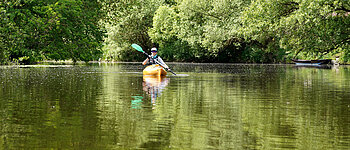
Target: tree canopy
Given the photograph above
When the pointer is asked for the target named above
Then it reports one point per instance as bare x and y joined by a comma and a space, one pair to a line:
307, 26
238, 30
184, 30
33, 30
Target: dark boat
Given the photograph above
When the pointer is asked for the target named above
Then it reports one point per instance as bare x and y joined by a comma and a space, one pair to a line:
312, 62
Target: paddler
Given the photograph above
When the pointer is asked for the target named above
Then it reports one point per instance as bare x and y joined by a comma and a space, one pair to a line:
153, 58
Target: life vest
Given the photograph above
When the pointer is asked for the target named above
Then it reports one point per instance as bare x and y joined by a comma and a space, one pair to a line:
151, 60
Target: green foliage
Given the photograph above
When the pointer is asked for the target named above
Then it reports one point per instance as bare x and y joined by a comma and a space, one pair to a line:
165, 32
128, 22
310, 26
185, 30
253, 54
3, 42
256, 54
177, 50
164, 25
266, 30
208, 27
54, 29
346, 55
205, 29
212, 24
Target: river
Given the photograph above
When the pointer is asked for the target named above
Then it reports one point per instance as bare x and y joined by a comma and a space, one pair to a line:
206, 106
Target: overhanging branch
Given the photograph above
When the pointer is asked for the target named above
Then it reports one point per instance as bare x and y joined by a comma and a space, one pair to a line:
347, 40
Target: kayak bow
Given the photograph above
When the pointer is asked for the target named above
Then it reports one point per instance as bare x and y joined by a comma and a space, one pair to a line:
154, 70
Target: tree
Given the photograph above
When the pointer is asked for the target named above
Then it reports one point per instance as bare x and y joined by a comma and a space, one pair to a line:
127, 22
229, 30
52, 29
207, 26
308, 26
4, 32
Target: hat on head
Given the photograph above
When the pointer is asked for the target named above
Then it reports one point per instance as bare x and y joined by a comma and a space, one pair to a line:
153, 49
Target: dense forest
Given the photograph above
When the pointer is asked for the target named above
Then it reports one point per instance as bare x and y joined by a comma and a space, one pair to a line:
256, 31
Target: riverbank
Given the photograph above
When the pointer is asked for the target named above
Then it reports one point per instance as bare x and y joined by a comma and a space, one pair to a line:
70, 62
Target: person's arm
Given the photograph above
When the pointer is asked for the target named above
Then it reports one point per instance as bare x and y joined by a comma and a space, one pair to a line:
145, 61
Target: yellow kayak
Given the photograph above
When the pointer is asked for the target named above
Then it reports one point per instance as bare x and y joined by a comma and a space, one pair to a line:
154, 70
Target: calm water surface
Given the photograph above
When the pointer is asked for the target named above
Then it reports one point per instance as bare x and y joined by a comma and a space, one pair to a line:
207, 106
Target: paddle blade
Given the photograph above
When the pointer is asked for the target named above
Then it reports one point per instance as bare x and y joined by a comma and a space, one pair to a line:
137, 47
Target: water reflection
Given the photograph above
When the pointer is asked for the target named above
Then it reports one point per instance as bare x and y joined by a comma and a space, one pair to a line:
47, 107
154, 85
218, 106
314, 66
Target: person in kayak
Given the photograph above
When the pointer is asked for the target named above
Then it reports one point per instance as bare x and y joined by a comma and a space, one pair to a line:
153, 58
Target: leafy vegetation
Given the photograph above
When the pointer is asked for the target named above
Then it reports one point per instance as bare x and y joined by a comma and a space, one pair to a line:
311, 27
184, 30
240, 31
34, 30
127, 22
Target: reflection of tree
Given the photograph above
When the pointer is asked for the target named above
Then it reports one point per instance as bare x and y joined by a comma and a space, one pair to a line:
154, 85
266, 107
255, 108
301, 108
49, 108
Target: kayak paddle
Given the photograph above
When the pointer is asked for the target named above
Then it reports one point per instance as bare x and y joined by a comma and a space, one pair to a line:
139, 48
